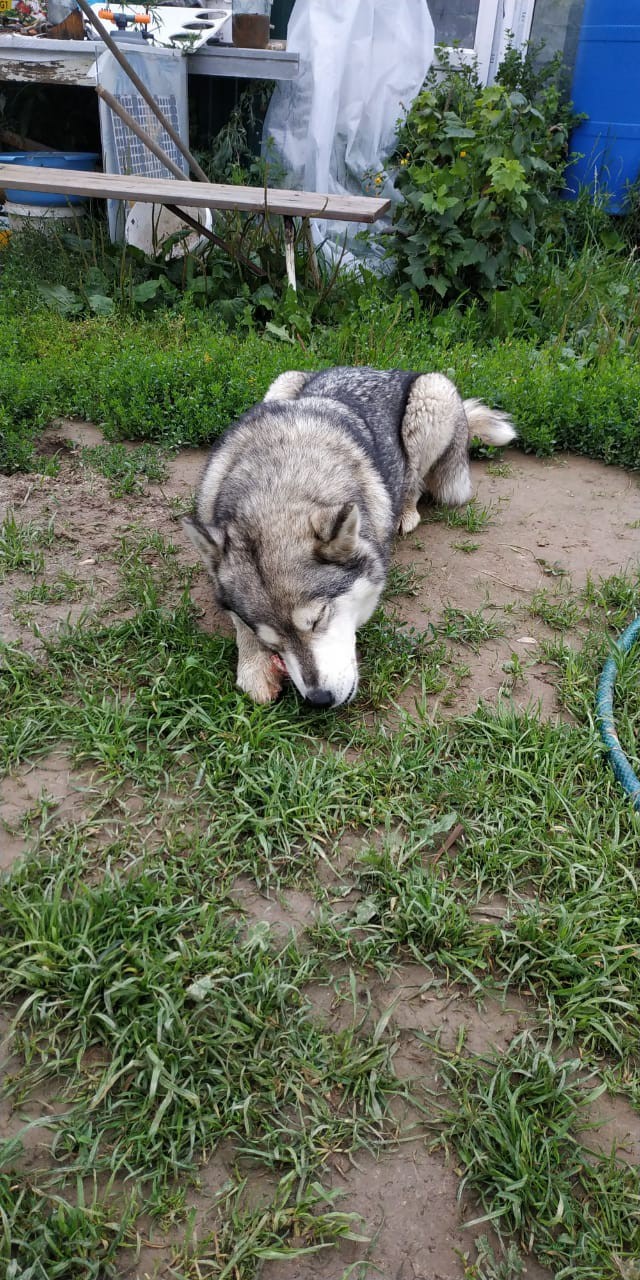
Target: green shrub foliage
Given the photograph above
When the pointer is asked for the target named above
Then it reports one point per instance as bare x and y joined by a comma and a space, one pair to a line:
478, 169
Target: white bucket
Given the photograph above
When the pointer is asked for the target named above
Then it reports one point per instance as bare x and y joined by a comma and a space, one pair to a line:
149, 225
42, 217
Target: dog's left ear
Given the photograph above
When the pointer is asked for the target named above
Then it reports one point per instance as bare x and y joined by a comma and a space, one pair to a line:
337, 530
206, 540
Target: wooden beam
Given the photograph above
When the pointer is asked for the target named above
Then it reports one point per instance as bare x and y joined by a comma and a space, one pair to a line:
204, 195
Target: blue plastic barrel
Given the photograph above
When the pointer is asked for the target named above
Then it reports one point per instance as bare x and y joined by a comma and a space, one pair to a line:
85, 160
606, 86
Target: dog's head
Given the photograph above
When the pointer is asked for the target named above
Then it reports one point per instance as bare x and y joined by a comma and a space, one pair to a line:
304, 595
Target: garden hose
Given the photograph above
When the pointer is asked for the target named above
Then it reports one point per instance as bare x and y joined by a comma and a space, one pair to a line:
604, 705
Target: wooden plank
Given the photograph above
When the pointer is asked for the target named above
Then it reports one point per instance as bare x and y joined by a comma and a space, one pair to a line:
34, 59
204, 195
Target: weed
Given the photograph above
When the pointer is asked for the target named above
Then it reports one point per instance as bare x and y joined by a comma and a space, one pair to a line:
510, 1266
41, 1232
471, 627
478, 168
467, 546
515, 1127
560, 611
65, 587
515, 671
127, 469
21, 544
474, 517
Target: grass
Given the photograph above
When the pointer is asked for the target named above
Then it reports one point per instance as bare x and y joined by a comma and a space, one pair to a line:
279, 1231
190, 1022
127, 469
470, 627
474, 517
155, 1021
517, 1124
42, 1235
21, 545
135, 983
560, 610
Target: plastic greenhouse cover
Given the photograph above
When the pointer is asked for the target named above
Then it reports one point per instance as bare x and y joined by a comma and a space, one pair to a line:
362, 62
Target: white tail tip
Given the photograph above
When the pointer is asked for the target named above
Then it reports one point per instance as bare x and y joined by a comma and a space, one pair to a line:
492, 426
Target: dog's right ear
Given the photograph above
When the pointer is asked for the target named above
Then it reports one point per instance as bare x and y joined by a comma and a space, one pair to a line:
337, 531
207, 541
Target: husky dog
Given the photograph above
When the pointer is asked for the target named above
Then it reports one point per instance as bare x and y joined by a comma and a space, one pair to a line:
299, 504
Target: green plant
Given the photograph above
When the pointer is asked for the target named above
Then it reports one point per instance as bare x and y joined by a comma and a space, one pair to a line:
478, 169
515, 1123
21, 543
127, 469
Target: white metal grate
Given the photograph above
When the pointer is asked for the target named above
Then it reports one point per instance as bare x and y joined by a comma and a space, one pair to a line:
132, 157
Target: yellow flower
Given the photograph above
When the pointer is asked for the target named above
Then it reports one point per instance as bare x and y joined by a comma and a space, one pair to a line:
463, 154
378, 179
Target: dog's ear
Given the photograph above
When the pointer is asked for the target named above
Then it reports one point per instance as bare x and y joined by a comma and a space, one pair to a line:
206, 540
337, 530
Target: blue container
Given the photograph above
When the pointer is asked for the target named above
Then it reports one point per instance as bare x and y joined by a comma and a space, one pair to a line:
606, 147
86, 160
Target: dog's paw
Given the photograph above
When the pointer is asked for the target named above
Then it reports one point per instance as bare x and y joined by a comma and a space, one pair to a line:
409, 520
261, 679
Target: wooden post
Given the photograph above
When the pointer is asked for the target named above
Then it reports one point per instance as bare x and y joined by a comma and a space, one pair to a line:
289, 251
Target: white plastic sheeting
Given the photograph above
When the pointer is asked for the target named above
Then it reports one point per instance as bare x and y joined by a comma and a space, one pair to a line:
362, 62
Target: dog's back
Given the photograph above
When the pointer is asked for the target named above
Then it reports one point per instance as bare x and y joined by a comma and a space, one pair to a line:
376, 401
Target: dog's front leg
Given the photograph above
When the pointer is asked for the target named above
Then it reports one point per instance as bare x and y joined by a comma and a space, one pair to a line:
258, 674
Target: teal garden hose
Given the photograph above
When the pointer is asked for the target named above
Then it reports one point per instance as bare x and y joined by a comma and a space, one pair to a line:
604, 705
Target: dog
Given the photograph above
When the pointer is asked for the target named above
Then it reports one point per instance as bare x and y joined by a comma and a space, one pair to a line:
299, 503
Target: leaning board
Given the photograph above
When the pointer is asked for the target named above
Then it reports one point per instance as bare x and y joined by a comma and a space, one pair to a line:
204, 195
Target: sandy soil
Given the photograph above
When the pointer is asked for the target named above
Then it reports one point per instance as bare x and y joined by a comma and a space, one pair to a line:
553, 522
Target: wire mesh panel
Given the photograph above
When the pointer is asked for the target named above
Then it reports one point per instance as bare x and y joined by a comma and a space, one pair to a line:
131, 154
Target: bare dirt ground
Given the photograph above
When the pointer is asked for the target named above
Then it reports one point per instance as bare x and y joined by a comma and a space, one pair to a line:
552, 523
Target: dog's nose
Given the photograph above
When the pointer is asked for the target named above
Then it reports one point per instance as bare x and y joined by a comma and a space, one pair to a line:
320, 697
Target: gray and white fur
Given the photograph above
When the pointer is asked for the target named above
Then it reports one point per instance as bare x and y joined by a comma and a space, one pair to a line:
299, 504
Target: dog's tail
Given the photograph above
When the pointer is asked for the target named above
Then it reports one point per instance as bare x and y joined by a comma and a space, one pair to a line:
492, 426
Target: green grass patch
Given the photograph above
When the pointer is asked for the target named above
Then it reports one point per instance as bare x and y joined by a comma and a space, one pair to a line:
516, 1123
21, 543
171, 1023
560, 610
127, 470
45, 1237
471, 627
181, 377
192, 1024
474, 517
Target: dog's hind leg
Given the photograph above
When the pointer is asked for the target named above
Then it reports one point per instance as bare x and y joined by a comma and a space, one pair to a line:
435, 438
449, 481
258, 675
287, 386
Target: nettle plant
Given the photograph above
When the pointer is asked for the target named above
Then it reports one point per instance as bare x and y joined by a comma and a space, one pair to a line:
479, 170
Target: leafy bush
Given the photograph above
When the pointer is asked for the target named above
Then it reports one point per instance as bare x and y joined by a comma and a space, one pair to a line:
478, 169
